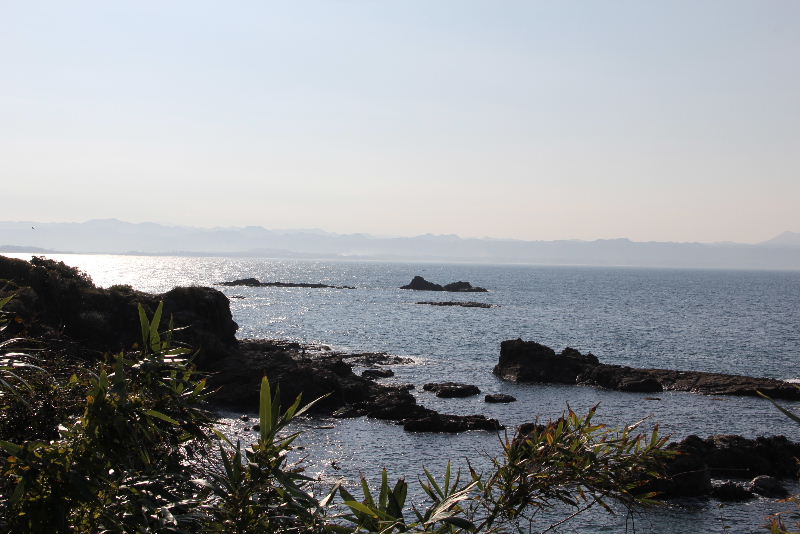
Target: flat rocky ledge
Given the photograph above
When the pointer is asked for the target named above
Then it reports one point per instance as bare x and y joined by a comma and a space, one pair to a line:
468, 304
528, 361
253, 282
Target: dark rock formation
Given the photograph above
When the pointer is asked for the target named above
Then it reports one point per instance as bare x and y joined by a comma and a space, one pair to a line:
420, 284
730, 491
688, 473
457, 303
451, 423
528, 361
377, 373
252, 282
448, 390
499, 398
767, 486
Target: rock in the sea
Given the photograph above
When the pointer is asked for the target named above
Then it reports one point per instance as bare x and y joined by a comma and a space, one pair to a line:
458, 303
528, 361
499, 398
767, 486
463, 287
420, 284
437, 422
730, 491
253, 282
448, 390
377, 373
696, 460
249, 282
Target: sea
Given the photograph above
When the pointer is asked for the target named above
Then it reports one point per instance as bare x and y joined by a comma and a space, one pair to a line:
741, 322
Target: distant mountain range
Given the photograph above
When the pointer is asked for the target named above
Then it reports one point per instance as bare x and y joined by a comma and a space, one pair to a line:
117, 237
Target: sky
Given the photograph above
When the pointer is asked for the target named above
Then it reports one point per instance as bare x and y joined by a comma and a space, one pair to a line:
664, 121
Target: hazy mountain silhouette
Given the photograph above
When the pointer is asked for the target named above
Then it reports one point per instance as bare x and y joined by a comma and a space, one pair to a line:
114, 236
786, 239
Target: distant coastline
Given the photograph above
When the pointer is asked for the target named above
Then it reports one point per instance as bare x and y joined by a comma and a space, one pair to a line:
110, 236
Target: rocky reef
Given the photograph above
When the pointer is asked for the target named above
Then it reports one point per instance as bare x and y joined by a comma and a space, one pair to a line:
253, 282
528, 361
467, 304
418, 283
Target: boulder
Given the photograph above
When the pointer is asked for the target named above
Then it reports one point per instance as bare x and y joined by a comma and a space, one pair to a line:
499, 398
449, 390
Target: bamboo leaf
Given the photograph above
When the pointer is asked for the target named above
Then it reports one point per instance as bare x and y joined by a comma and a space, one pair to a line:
163, 417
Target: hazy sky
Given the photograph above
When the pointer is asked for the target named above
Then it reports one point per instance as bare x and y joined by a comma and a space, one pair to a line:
661, 120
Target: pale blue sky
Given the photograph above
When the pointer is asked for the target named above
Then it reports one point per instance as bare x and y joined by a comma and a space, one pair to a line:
532, 120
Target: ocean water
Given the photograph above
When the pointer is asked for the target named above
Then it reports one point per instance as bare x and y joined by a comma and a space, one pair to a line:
745, 322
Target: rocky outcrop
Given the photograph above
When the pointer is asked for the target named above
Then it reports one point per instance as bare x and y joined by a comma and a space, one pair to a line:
528, 361
420, 284
457, 303
54, 300
253, 282
696, 461
448, 390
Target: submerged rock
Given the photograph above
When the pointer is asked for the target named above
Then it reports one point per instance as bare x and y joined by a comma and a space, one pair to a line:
449, 390
528, 361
